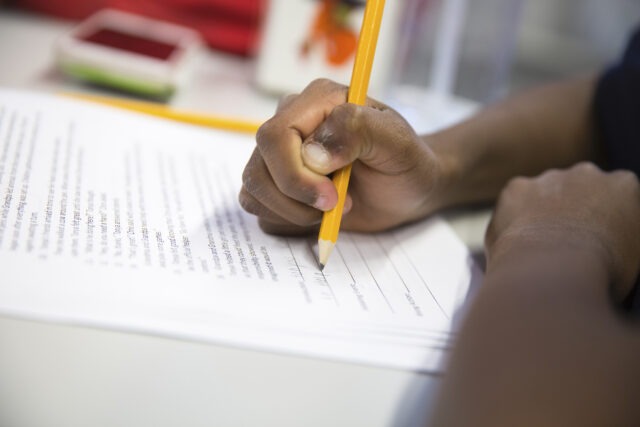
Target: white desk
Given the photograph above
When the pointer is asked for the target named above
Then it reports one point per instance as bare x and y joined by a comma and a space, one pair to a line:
65, 375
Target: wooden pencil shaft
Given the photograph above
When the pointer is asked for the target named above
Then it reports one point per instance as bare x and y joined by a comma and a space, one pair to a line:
330, 225
170, 113
365, 52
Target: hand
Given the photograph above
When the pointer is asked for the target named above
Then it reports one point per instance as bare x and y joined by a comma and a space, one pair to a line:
394, 178
579, 209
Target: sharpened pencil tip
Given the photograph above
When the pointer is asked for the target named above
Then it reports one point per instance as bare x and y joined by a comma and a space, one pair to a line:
324, 250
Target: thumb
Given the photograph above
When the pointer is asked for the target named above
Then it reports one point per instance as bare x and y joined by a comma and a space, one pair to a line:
372, 134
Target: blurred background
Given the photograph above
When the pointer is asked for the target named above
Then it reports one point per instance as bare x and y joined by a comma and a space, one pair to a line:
506, 45
483, 50
500, 45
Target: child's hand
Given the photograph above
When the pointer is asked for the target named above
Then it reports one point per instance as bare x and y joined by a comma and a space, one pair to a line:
395, 176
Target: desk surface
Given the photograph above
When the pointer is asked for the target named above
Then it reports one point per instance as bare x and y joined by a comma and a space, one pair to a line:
66, 375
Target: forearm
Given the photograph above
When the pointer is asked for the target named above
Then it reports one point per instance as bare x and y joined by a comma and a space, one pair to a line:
543, 345
521, 136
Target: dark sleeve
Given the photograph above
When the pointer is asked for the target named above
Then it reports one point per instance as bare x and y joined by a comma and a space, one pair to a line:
617, 110
617, 114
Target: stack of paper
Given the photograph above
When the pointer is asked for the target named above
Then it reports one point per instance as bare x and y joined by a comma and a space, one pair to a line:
125, 221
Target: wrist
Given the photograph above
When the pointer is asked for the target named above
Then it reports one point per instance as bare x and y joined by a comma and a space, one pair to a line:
559, 250
449, 187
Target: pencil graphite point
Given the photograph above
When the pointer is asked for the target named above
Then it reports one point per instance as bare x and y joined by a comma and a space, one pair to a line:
324, 250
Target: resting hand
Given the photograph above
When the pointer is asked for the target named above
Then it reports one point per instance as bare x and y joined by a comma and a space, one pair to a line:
394, 178
579, 209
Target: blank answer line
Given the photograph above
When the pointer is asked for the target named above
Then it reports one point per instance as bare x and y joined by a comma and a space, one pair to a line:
426, 285
295, 261
392, 263
353, 279
371, 273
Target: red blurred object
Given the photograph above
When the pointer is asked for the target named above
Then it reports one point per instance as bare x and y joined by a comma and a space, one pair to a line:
68, 9
131, 43
229, 25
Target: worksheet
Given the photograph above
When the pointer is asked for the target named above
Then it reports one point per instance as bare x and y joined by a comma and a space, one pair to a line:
121, 220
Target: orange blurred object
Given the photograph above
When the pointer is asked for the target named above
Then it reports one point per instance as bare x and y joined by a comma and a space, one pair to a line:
331, 26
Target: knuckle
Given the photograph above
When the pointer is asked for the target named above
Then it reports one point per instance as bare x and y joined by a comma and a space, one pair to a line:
626, 179
286, 100
247, 173
251, 182
328, 87
318, 85
489, 235
248, 185
266, 133
248, 203
254, 187
514, 191
625, 175
586, 168
323, 84
320, 82
551, 174
515, 184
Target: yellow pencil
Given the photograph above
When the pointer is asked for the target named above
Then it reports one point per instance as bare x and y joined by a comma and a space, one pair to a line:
170, 113
330, 225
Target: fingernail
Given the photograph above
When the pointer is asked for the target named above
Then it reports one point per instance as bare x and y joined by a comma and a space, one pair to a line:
322, 203
315, 155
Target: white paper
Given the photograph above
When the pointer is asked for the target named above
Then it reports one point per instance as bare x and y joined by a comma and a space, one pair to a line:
120, 220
